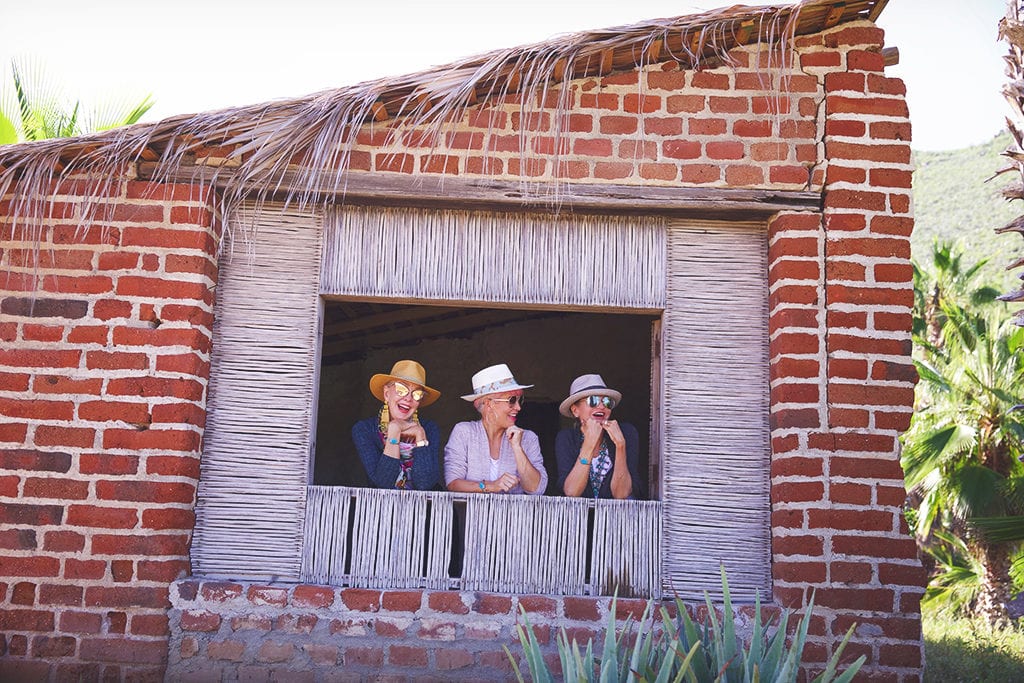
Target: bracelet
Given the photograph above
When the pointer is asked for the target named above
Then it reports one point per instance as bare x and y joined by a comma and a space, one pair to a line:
393, 442
584, 461
422, 443
482, 487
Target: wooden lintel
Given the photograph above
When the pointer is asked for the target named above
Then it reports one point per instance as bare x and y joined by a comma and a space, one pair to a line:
148, 154
380, 112
607, 61
513, 80
877, 9
744, 31
433, 191
654, 50
835, 14
696, 47
558, 71
891, 56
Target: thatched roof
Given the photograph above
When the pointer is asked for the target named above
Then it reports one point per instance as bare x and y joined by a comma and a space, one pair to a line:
261, 141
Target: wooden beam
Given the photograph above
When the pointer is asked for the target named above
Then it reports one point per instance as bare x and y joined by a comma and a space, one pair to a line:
877, 9
744, 31
453, 192
380, 112
835, 14
401, 315
607, 60
891, 56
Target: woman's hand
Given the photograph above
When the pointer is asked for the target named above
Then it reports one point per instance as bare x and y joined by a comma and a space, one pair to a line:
592, 431
506, 482
515, 436
612, 428
406, 430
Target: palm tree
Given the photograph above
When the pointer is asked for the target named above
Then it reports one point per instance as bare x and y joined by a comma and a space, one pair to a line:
947, 278
31, 108
960, 454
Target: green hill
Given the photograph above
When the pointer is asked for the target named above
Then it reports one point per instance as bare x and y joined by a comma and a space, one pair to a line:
955, 200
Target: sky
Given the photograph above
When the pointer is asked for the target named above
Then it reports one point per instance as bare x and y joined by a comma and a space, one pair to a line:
199, 55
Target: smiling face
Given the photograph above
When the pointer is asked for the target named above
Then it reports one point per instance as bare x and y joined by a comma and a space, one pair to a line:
593, 407
500, 411
403, 398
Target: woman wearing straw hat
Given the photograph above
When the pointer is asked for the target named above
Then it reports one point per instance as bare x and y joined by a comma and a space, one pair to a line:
399, 451
493, 454
598, 457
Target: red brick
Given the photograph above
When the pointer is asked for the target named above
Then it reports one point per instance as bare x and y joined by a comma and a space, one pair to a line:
84, 569
682, 149
42, 333
30, 514
161, 571
150, 544
63, 541
676, 104
123, 650
486, 603
874, 106
902, 574
26, 620
448, 659
47, 435
725, 150
812, 546
54, 488
701, 173
799, 572
401, 601
200, 621
80, 622
707, 126
116, 360
314, 596
666, 80
618, 125
60, 594
146, 491
168, 518
127, 597
372, 657
667, 126
446, 601
613, 170
406, 656
535, 604
35, 460
361, 599
220, 591
251, 622
24, 593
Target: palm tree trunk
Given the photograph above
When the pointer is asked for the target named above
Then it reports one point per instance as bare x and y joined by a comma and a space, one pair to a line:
996, 585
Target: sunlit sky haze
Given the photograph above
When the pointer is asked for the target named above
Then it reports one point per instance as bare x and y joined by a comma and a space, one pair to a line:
199, 55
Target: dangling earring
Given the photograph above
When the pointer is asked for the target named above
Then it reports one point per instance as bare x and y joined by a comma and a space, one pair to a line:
416, 415
385, 418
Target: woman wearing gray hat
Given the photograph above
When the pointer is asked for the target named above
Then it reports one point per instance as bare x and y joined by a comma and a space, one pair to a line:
493, 454
598, 457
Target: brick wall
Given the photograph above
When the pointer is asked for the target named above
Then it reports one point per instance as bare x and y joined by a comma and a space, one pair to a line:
842, 386
103, 369
104, 365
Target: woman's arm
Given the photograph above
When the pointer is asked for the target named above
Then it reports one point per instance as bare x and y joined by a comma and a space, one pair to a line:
530, 463
426, 468
381, 470
572, 474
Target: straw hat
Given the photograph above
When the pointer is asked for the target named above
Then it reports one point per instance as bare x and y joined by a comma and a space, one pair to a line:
405, 371
493, 380
583, 386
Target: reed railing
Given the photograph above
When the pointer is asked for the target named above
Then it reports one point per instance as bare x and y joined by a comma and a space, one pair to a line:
506, 544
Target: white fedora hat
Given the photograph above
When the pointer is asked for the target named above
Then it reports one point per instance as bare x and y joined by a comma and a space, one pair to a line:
493, 380
583, 386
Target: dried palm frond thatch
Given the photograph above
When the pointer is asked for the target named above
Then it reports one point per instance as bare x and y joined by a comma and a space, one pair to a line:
1011, 29
283, 147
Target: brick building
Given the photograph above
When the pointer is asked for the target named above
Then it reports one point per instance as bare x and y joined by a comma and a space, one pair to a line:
189, 311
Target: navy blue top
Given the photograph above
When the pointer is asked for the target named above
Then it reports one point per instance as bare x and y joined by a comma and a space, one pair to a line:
567, 452
382, 471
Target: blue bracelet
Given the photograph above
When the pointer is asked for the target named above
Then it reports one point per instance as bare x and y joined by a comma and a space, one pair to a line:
584, 461
482, 487
393, 442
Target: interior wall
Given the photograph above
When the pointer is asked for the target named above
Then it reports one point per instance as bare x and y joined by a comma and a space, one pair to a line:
548, 353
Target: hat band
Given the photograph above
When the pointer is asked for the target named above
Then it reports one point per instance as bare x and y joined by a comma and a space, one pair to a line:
593, 386
495, 386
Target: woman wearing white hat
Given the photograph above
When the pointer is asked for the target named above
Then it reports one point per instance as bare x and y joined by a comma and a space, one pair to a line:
598, 457
399, 451
493, 455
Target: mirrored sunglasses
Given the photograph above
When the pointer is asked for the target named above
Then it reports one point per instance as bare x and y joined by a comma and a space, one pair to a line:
595, 401
403, 391
512, 401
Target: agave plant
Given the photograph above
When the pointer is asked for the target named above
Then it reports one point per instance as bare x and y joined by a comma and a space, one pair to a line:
685, 652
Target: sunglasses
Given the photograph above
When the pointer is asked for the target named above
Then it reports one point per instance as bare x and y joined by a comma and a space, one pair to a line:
403, 391
512, 401
595, 401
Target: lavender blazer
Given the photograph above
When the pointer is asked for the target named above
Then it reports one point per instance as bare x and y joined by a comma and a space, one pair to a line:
467, 455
